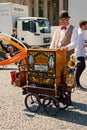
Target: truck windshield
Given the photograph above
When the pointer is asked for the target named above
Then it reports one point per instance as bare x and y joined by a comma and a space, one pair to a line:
44, 25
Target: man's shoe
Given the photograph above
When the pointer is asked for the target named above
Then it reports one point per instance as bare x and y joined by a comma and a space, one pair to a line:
70, 103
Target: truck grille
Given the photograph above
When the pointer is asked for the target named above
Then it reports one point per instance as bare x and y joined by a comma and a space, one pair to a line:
47, 40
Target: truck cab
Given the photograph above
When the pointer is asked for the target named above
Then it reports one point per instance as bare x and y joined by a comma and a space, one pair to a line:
35, 31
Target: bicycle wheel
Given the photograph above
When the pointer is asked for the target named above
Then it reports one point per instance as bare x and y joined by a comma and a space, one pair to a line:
51, 105
32, 102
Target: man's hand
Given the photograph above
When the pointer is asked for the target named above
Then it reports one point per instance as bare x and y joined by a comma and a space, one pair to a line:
64, 48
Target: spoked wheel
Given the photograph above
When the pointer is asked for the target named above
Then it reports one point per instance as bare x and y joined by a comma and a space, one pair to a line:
32, 102
64, 103
51, 105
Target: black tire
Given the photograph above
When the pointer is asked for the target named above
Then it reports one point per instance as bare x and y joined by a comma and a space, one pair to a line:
32, 102
51, 105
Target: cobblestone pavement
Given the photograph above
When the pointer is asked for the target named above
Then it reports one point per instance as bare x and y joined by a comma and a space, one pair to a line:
15, 116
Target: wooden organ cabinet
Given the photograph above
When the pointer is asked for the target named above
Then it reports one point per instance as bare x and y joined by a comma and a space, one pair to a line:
45, 67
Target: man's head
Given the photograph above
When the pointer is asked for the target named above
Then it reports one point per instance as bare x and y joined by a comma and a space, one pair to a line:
14, 30
86, 26
83, 24
64, 18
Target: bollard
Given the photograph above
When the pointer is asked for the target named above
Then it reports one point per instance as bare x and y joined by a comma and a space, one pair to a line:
13, 76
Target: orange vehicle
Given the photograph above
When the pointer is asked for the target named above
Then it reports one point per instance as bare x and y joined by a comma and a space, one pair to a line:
45, 77
23, 50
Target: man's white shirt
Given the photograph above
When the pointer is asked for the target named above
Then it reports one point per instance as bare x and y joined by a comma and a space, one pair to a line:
73, 41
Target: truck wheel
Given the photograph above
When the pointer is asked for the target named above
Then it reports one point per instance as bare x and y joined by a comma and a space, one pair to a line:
51, 105
32, 102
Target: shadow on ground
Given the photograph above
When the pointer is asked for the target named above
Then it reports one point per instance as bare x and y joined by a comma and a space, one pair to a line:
72, 114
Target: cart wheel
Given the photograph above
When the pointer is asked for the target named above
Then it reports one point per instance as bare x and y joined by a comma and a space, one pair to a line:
51, 105
32, 102
64, 104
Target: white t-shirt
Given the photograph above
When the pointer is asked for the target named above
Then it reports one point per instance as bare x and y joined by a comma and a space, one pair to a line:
80, 50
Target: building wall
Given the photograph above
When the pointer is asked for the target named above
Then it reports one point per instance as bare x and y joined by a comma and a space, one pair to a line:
46, 8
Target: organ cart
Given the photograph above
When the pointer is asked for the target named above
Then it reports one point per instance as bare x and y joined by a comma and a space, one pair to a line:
49, 80
45, 74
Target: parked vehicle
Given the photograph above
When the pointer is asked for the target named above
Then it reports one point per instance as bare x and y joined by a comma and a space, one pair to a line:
34, 31
9, 13
31, 30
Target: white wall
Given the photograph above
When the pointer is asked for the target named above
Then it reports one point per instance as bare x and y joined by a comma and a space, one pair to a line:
78, 11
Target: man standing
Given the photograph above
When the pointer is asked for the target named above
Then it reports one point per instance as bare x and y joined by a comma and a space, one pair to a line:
13, 48
66, 35
80, 53
14, 33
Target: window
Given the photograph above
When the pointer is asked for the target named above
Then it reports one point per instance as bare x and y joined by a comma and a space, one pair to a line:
44, 26
29, 26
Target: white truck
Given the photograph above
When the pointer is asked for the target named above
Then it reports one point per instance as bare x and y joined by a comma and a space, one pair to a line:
78, 11
31, 30
34, 31
9, 13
